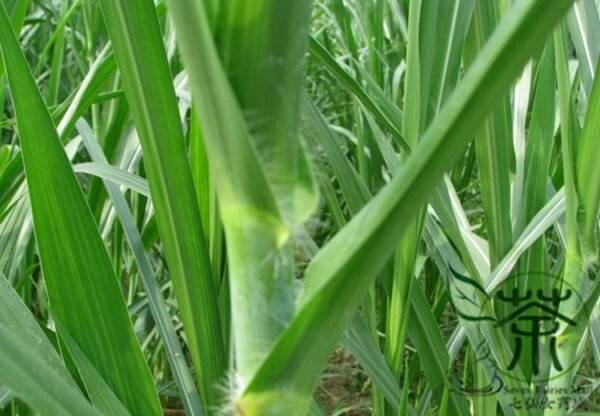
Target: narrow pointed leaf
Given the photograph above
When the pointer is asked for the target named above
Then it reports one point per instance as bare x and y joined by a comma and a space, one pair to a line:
141, 58
82, 287
29, 364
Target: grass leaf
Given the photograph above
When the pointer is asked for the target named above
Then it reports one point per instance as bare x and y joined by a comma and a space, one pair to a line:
29, 364
138, 47
82, 286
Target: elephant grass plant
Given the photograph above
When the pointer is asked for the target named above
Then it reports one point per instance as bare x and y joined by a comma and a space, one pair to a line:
200, 200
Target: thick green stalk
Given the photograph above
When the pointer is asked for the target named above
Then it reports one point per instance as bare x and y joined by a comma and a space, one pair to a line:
249, 123
262, 297
268, 40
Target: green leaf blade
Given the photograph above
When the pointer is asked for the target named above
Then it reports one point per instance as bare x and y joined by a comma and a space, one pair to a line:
30, 366
81, 283
139, 51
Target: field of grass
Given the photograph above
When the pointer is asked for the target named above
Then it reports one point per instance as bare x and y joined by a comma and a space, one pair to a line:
296, 207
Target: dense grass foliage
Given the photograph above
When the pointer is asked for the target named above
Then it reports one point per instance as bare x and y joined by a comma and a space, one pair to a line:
218, 207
